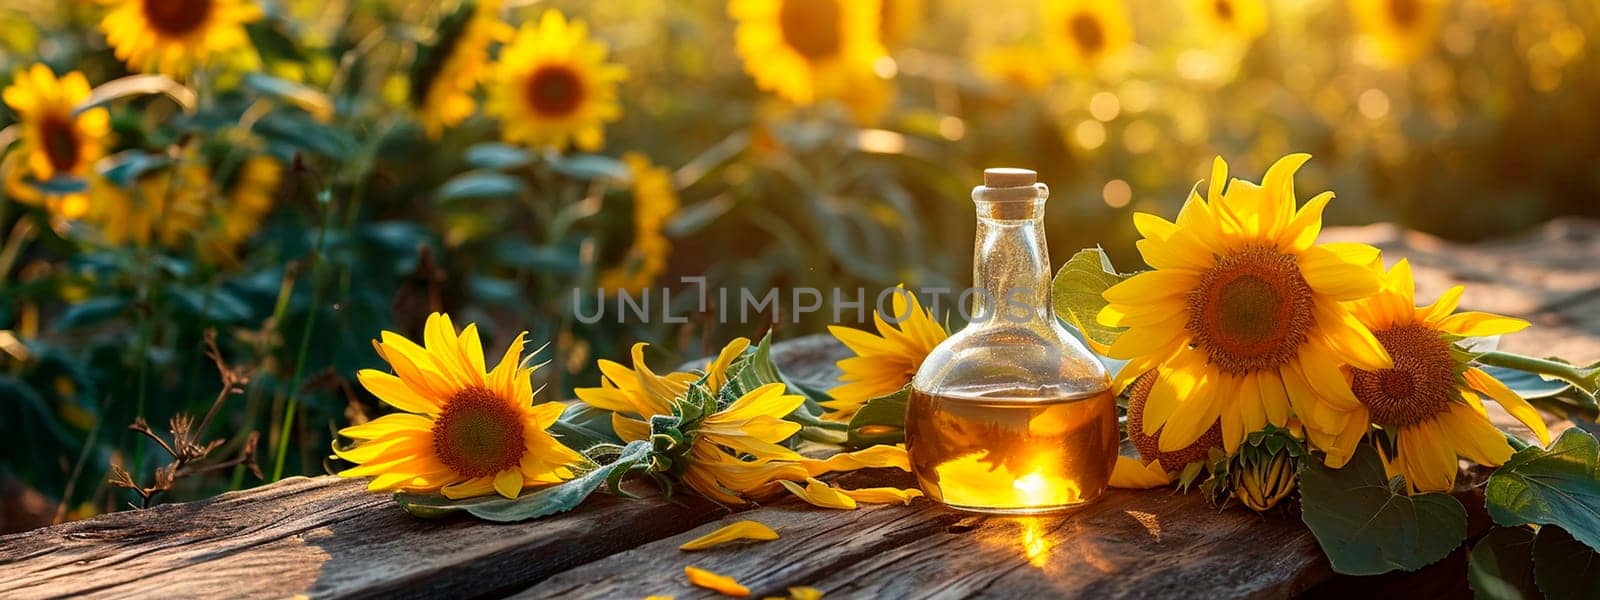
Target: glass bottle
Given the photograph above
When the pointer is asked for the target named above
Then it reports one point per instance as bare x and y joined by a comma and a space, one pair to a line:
1012, 414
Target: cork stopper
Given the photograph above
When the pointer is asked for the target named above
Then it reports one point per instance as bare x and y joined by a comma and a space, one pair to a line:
1006, 177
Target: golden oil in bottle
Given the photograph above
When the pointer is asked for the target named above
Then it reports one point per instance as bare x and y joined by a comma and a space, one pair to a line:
1013, 451
1011, 414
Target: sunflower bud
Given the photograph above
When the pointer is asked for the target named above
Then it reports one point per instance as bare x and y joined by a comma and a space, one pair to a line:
1261, 474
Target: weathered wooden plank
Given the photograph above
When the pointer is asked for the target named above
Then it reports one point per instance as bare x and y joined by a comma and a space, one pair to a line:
1130, 544
324, 538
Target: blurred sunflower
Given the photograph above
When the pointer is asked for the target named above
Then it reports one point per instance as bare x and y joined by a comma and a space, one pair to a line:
55, 145
1242, 312
1242, 20
552, 85
446, 73
164, 206
898, 20
171, 37
886, 362
811, 50
1014, 65
1083, 34
1398, 31
633, 395
465, 431
249, 200
1430, 400
655, 200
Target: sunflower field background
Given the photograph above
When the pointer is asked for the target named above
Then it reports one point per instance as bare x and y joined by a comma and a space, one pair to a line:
284, 179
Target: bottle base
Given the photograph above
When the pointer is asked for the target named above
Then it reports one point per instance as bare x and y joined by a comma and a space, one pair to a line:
1021, 511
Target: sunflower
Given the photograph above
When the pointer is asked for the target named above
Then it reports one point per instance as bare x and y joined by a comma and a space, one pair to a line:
655, 200
446, 73
1242, 313
1242, 20
885, 362
1083, 34
1430, 402
552, 85
899, 20
55, 145
252, 195
734, 454
809, 50
1014, 65
164, 206
1399, 31
633, 395
171, 37
464, 430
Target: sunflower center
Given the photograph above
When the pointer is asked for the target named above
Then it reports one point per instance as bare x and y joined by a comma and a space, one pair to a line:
1404, 12
176, 17
1086, 32
478, 434
554, 90
1419, 386
1224, 10
60, 143
811, 27
1150, 445
1251, 311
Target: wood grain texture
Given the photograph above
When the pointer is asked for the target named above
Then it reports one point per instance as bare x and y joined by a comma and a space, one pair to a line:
1130, 544
324, 537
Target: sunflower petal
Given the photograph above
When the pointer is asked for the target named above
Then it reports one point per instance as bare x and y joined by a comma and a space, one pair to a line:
721, 584
1513, 403
1341, 270
819, 494
1130, 474
1480, 324
732, 532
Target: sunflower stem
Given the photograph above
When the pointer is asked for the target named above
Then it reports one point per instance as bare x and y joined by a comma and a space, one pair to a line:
1584, 378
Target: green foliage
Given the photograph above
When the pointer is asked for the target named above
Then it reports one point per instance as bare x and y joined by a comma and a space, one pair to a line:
1559, 486
881, 420
1367, 525
1076, 292
541, 502
1500, 566
1564, 567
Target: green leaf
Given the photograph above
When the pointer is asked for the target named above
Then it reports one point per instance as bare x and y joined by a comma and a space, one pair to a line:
300, 95
497, 157
1366, 528
298, 130
1564, 567
582, 427
480, 184
1559, 486
881, 420
589, 167
268, 37
557, 498
89, 312
1077, 291
1500, 566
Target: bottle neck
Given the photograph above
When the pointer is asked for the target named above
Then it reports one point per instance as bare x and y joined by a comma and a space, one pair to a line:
1011, 267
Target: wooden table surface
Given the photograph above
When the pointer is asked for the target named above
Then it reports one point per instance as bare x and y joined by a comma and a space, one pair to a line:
325, 537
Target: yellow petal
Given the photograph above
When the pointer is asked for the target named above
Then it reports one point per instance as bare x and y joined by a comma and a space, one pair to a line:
801, 592
1341, 270
1478, 324
1474, 437
732, 532
882, 456
718, 583
1130, 474
1442, 307
1302, 231
508, 483
819, 494
883, 495
1513, 403
1151, 286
